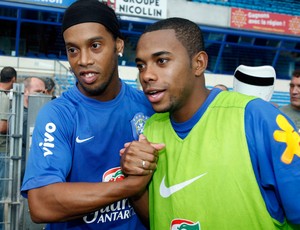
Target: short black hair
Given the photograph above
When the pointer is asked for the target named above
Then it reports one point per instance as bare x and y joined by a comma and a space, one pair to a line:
82, 11
7, 74
187, 32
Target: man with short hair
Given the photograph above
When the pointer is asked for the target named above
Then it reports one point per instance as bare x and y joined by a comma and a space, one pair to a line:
8, 77
32, 85
293, 109
231, 161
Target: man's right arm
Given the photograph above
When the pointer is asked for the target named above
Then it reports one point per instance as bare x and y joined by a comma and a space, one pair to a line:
64, 201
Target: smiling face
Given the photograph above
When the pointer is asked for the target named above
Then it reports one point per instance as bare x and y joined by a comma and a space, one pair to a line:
93, 56
171, 80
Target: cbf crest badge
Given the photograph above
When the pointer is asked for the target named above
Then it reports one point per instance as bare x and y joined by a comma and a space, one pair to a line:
138, 124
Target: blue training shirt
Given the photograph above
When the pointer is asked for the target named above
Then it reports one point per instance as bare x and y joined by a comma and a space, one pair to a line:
78, 139
279, 182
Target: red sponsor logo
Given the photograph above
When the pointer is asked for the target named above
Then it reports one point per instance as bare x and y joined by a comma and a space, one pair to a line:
114, 174
182, 224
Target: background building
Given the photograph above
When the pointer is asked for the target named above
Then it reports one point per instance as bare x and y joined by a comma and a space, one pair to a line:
252, 32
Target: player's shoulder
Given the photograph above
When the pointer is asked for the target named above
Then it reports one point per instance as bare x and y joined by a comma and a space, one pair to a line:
262, 113
259, 106
232, 99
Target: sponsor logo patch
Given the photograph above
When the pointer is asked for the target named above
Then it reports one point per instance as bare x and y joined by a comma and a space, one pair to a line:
165, 191
116, 212
182, 224
79, 140
113, 174
48, 143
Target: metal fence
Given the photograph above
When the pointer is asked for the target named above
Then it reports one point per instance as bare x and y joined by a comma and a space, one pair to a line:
13, 207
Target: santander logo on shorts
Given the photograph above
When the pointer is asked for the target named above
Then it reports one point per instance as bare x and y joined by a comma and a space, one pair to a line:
182, 224
113, 174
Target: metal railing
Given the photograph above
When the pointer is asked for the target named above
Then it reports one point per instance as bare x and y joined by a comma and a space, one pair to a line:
13, 207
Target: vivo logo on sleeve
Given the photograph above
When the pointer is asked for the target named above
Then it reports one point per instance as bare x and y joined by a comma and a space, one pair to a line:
48, 143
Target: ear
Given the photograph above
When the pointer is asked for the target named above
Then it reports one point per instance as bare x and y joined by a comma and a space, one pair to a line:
200, 61
119, 45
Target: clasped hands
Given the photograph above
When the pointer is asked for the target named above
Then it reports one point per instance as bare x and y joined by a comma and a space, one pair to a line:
140, 157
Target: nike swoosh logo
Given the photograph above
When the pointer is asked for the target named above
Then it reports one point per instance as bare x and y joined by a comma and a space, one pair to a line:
78, 140
165, 192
